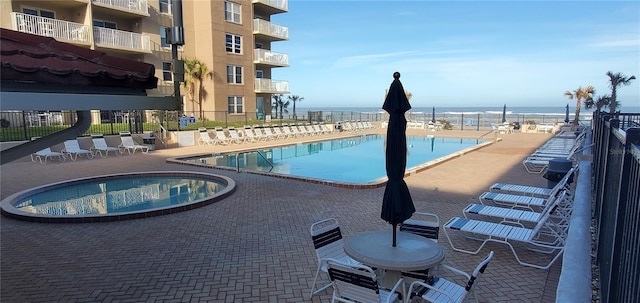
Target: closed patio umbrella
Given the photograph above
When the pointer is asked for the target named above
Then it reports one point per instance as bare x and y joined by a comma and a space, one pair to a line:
433, 114
566, 115
504, 113
397, 204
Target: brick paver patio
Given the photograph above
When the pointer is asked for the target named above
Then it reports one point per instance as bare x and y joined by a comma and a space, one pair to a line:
253, 246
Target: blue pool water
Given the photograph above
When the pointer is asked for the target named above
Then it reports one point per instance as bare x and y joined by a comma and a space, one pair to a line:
132, 195
351, 160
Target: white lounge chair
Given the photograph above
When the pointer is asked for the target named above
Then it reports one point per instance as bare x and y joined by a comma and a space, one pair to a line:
277, 131
542, 192
131, 146
100, 146
72, 148
328, 243
559, 208
43, 154
205, 138
222, 137
442, 290
545, 237
359, 283
234, 137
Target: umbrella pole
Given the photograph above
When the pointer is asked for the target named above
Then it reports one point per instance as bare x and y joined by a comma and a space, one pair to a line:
394, 236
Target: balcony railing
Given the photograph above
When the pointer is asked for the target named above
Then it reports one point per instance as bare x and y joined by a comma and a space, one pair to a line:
274, 6
264, 56
111, 38
263, 27
271, 86
41, 26
134, 6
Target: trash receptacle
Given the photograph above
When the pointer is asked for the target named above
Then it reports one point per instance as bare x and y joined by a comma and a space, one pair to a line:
192, 119
183, 121
556, 170
149, 140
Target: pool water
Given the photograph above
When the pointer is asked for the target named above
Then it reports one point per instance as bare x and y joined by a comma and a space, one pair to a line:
118, 195
351, 160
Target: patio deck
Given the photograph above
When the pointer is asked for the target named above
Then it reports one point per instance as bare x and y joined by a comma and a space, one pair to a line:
253, 246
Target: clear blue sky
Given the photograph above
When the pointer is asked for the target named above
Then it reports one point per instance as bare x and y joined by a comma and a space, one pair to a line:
458, 53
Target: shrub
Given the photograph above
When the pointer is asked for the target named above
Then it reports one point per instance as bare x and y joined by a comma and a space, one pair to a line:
4, 123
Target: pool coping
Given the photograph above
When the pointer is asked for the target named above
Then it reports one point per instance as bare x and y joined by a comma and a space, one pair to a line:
8, 209
366, 185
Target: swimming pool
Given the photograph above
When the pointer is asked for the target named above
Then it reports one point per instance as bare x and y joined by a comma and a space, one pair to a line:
117, 197
347, 161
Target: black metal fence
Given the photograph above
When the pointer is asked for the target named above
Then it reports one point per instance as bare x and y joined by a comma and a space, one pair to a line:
617, 205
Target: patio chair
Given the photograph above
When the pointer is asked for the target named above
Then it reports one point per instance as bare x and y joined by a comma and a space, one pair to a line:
205, 138
545, 237
542, 192
268, 133
221, 136
328, 243
100, 146
559, 207
249, 134
519, 201
277, 132
72, 148
359, 283
428, 226
234, 136
44, 154
443, 290
287, 131
131, 146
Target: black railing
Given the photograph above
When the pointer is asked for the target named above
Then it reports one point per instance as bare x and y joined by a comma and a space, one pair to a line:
616, 191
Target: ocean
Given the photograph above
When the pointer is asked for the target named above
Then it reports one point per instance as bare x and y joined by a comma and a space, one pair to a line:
533, 110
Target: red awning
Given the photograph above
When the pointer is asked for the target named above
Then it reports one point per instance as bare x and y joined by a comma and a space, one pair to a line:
36, 59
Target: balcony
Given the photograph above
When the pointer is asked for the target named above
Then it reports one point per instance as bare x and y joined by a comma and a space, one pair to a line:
136, 7
267, 57
271, 86
121, 40
271, 6
270, 31
58, 29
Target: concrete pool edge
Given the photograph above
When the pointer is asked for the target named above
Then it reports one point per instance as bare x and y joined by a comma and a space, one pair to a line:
367, 185
8, 209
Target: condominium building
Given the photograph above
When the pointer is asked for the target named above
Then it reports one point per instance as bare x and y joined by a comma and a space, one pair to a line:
232, 38
235, 39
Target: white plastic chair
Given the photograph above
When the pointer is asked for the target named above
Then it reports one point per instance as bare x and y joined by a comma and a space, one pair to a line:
43, 154
359, 283
443, 290
205, 138
72, 148
129, 145
328, 243
100, 146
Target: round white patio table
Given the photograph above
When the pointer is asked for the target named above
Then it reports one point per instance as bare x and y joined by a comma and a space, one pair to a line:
412, 252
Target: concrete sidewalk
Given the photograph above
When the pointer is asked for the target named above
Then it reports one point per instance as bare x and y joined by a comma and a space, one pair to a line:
253, 246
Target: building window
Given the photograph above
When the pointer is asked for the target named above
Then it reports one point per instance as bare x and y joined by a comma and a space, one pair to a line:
232, 12
163, 37
105, 24
259, 74
165, 6
233, 44
38, 12
235, 104
234, 74
167, 74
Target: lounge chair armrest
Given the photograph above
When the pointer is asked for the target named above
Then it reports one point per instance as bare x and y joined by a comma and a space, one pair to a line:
395, 289
418, 283
455, 270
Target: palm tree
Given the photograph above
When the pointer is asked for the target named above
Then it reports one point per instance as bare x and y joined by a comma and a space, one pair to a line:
277, 100
196, 72
598, 103
616, 80
580, 93
294, 99
283, 107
